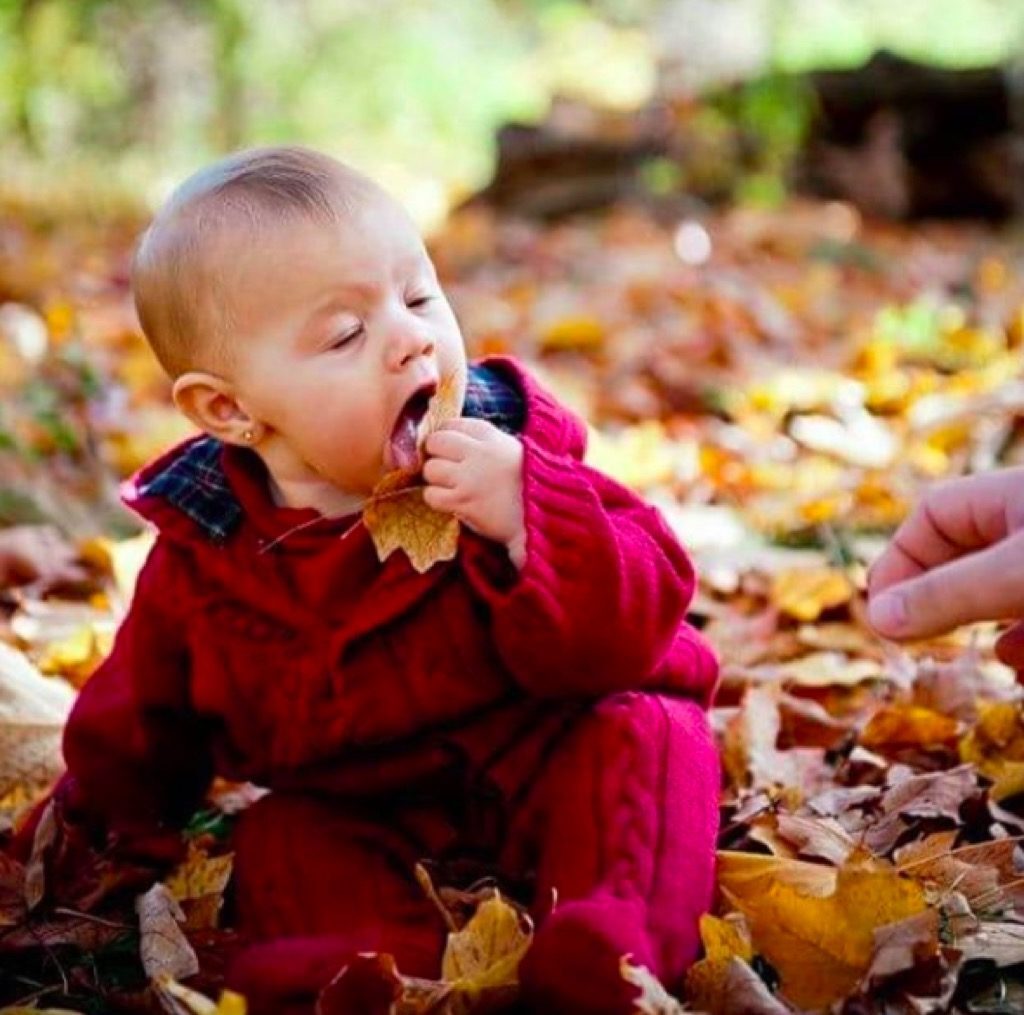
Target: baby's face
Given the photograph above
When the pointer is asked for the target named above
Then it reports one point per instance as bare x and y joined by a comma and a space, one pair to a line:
342, 333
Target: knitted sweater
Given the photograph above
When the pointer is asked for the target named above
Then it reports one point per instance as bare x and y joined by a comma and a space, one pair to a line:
282, 652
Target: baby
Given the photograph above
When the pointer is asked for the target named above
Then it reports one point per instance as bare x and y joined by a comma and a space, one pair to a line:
536, 705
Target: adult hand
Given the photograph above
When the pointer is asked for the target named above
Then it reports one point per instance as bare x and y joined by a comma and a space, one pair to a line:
959, 557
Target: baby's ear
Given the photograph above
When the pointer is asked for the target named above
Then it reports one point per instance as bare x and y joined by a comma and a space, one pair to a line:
210, 402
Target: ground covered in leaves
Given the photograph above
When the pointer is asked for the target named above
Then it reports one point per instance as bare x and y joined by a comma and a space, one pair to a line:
781, 384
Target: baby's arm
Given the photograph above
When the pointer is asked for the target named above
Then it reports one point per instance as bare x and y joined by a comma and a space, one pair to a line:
136, 755
602, 591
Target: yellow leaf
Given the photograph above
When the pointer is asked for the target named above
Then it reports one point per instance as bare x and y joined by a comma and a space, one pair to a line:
199, 875
123, 558
806, 592
200, 881
575, 332
724, 940
908, 726
76, 657
821, 943
996, 747
485, 954
184, 1001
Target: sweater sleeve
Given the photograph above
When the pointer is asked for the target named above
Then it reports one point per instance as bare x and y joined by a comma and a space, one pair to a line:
600, 603
136, 755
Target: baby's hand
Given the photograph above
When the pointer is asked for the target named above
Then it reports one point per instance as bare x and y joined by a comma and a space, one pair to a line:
959, 557
475, 472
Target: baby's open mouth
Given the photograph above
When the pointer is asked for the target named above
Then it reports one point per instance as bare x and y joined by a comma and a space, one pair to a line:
403, 447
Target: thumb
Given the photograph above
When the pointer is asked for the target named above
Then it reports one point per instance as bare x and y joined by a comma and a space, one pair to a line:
988, 585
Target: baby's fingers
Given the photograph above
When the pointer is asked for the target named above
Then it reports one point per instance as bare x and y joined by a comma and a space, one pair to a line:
987, 585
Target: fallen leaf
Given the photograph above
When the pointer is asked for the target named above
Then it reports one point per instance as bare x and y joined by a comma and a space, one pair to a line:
653, 999
33, 709
805, 593
821, 942
908, 726
200, 881
904, 944
482, 959
398, 518
181, 1000
164, 949
996, 745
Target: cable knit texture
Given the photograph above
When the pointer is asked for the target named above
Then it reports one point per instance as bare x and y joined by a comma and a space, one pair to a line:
549, 722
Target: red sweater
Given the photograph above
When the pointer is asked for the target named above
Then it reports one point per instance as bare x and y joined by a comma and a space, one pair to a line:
302, 663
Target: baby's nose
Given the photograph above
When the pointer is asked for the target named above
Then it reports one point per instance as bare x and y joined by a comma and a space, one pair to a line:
408, 345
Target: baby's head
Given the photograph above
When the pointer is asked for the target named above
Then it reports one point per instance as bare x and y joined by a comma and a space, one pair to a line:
294, 304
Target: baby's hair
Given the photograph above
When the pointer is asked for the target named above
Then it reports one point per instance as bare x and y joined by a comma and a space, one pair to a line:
178, 279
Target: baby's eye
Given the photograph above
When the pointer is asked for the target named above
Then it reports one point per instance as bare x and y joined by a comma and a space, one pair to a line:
420, 301
344, 340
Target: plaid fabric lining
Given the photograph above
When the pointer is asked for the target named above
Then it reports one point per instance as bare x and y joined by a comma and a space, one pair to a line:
195, 482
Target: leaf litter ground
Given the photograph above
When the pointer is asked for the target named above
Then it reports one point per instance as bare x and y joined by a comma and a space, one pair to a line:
782, 397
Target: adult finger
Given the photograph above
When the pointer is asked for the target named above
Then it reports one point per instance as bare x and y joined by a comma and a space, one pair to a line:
950, 520
987, 585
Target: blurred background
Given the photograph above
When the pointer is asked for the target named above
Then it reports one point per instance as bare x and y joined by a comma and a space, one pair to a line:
126, 96
770, 250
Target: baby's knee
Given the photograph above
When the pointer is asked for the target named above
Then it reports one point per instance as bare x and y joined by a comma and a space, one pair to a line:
654, 720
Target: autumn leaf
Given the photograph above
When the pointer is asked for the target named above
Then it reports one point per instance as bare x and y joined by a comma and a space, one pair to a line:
653, 999
199, 883
483, 958
177, 999
164, 949
398, 518
908, 726
479, 970
996, 746
805, 593
33, 709
816, 925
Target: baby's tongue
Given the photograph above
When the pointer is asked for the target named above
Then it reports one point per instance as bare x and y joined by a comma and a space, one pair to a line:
405, 454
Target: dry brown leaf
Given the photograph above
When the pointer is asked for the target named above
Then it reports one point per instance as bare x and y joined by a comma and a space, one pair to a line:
654, 999
904, 944
164, 949
398, 518
406, 522
817, 926
751, 756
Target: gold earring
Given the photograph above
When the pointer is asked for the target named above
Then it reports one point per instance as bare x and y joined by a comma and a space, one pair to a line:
248, 436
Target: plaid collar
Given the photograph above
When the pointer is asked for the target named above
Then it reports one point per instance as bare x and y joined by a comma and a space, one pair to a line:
195, 483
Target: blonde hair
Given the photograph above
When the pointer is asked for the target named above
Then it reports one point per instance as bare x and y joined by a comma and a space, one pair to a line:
180, 270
